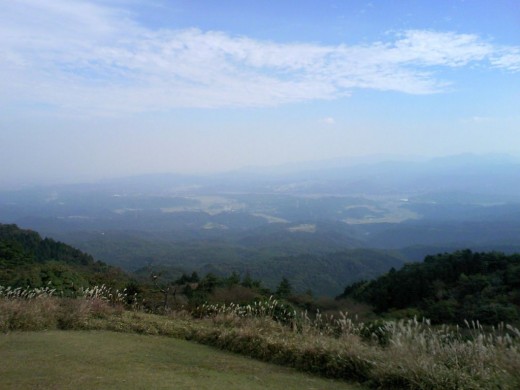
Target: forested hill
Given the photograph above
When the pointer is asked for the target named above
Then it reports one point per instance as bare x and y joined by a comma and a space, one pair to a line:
449, 288
26, 259
323, 274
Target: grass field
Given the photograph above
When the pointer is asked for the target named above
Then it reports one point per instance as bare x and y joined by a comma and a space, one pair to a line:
400, 354
107, 360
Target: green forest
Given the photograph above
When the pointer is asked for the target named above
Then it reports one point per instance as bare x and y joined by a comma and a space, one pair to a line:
28, 260
445, 288
448, 287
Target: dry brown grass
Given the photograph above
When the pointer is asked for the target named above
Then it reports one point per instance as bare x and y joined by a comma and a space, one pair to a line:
236, 294
405, 354
34, 314
40, 309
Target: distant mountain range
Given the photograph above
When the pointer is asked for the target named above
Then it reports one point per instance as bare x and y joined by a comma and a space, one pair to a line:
251, 217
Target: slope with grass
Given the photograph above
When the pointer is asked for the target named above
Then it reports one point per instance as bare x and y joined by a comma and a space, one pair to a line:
107, 360
383, 354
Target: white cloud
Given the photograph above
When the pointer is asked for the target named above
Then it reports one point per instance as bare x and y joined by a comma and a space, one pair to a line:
476, 119
329, 121
441, 48
509, 59
83, 57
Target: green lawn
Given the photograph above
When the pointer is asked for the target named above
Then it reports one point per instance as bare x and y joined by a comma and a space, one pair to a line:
107, 360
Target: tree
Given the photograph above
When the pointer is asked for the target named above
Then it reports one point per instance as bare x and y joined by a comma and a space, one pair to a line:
208, 283
247, 281
164, 289
232, 280
194, 277
284, 288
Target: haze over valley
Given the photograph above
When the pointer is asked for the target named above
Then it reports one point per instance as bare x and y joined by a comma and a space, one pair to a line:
343, 223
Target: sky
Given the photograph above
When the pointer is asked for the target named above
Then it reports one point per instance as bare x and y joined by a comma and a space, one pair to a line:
107, 88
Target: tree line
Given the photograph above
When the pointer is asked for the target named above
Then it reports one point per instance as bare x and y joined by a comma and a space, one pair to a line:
448, 287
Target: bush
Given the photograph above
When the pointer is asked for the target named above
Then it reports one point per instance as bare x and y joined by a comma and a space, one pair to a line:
377, 332
39, 309
35, 314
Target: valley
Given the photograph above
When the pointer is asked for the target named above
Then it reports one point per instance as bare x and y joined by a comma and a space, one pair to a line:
268, 223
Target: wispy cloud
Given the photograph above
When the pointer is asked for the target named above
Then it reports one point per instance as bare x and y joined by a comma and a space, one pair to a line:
476, 119
508, 59
83, 57
329, 120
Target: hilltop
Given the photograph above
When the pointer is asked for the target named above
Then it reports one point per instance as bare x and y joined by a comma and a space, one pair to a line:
27, 259
448, 287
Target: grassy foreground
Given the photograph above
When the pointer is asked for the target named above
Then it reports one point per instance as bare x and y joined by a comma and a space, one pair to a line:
405, 354
108, 360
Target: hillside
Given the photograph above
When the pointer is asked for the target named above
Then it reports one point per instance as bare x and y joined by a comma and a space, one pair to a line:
27, 259
323, 274
30, 260
110, 360
449, 288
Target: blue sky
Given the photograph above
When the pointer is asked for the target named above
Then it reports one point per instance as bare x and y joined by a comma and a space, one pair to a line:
95, 89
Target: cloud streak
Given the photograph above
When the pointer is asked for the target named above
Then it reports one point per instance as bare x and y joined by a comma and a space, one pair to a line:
329, 121
86, 58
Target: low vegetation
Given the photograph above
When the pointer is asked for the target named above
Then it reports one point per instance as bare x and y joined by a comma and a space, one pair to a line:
105, 360
386, 354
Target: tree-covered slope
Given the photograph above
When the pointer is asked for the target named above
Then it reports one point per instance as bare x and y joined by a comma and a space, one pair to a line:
449, 288
323, 274
27, 259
